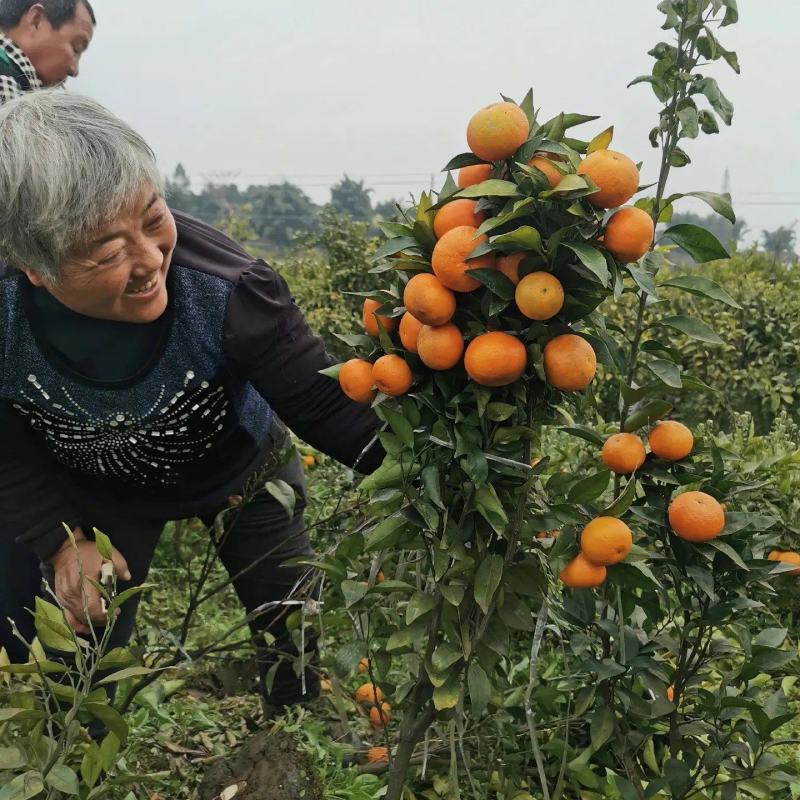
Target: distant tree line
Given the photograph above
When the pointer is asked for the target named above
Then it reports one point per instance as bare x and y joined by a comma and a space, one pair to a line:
274, 213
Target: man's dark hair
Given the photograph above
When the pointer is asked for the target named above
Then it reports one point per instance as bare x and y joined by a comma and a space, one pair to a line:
58, 11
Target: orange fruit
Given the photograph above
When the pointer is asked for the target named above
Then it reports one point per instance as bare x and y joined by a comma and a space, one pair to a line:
791, 558
309, 461
670, 694
363, 666
409, 330
547, 535
368, 694
440, 347
509, 265
614, 173
325, 685
378, 755
380, 717
449, 259
369, 319
456, 213
391, 375
696, 517
623, 453
380, 577
426, 297
497, 131
495, 359
581, 573
775, 555
539, 296
477, 173
355, 378
629, 234
671, 440
569, 362
606, 541
545, 165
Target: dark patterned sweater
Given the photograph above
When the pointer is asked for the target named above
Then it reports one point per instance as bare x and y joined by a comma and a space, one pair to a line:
183, 430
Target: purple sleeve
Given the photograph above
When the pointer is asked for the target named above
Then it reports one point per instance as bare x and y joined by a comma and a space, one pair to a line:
269, 342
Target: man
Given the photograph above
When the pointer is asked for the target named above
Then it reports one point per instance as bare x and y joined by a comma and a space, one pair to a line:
41, 43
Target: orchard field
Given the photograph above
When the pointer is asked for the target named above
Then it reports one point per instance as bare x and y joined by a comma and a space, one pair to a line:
575, 573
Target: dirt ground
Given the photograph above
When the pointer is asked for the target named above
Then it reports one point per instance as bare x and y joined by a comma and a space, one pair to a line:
266, 767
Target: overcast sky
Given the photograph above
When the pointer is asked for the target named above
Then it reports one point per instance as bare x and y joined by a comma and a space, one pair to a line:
306, 90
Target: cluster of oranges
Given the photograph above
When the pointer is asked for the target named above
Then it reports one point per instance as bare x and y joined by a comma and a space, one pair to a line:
371, 696
496, 358
693, 516
604, 541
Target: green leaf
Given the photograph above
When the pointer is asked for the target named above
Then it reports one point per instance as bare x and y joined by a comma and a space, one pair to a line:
402, 639
480, 689
431, 482
602, 727
284, 494
103, 544
694, 328
23, 787
117, 658
666, 371
491, 509
354, 591
487, 579
699, 243
463, 160
520, 209
622, 503
523, 238
499, 412
420, 604
92, 765
386, 533
678, 777
492, 188
588, 489
110, 717
645, 413
601, 141
497, 283
702, 287
124, 674
52, 628
708, 122
12, 758
347, 657
582, 432
591, 258
721, 203
393, 246
332, 372
453, 593
399, 424
725, 548
570, 187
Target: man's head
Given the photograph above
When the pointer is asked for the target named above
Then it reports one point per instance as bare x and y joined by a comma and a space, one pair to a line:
53, 34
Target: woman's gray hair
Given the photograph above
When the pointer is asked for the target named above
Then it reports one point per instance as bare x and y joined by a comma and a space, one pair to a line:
68, 166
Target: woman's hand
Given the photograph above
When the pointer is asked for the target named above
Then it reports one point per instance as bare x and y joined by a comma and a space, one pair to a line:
77, 596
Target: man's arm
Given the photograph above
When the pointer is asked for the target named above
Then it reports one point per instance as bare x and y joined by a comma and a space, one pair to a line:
34, 490
269, 341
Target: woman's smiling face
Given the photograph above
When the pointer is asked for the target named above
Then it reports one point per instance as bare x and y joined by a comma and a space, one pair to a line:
120, 275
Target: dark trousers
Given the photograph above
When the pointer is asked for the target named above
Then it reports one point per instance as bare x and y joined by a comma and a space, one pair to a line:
260, 538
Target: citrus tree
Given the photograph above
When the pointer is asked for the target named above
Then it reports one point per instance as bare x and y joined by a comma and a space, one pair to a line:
488, 332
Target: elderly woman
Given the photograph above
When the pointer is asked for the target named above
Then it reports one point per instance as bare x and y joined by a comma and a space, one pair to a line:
148, 365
